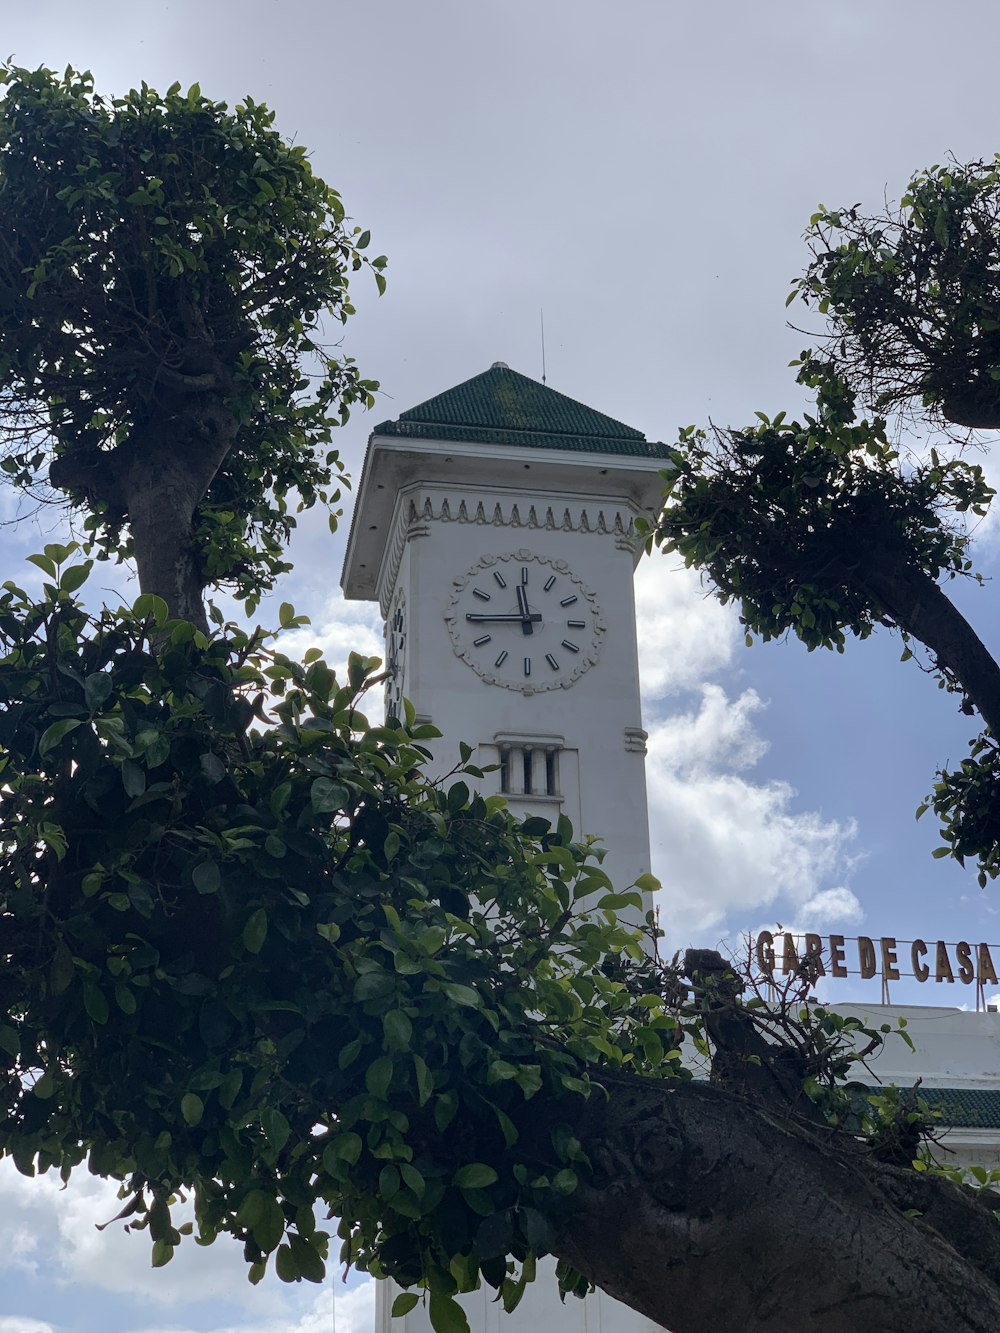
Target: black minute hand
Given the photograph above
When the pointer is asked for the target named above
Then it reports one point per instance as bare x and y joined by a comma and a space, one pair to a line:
533, 617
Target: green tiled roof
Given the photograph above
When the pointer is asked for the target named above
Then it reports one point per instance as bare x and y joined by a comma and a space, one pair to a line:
960, 1108
964, 1108
501, 406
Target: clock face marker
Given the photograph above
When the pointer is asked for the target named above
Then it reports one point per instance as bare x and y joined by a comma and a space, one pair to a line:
549, 582
524, 573
527, 666
568, 601
483, 596
501, 659
500, 578
576, 624
571, 647
552, 661
483, 638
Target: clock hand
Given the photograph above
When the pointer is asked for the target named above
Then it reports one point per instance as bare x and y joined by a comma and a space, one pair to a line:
526, 617
533, 617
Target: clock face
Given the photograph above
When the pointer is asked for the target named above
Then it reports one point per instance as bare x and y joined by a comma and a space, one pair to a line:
524, 622
395, 651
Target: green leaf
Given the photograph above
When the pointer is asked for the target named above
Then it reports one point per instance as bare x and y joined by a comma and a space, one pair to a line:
163, 1252
425, 1081
344, 1148
10, 1042
45, 1087
475, 1176
270, 1226
327, 796
97, 690
255, 931
378, 1076
46, 565
133, 778
398, 1030
75, 576
276, 1128
285, 1265
307, 1258
446, 1315
192, 1108
62, 969
404, 1303
95, 1003
51, 736
149, 606
206, 877
463, 995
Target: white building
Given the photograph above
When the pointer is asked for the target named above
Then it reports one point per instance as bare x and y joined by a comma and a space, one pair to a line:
494, 525
954, 1067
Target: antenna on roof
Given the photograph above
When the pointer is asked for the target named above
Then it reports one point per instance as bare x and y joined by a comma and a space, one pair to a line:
541, 316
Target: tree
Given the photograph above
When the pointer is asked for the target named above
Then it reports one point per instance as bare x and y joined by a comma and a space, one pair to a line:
252, 956
827, 526
166, 266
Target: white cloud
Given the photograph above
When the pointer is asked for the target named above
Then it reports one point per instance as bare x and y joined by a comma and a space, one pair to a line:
21, 1324
724, 845
832, 907
332, 1310
684, 633
339, 628
51, 1231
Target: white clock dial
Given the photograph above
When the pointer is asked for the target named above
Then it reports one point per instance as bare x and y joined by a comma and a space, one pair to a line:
524, 622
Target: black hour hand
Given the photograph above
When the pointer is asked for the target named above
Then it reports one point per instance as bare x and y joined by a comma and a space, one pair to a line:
527, 619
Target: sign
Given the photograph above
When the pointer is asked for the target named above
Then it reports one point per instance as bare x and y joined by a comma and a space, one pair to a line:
886, 957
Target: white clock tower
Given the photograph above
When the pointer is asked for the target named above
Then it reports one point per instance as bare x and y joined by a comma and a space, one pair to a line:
494, 525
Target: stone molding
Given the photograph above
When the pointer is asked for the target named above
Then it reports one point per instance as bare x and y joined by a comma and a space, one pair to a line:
635, 740
417, 513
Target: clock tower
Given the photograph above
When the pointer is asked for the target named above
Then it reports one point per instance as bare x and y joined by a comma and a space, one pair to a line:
494, 525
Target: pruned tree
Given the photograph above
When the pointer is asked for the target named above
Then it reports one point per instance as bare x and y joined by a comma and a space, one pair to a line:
856, 514
166, 269
251, 956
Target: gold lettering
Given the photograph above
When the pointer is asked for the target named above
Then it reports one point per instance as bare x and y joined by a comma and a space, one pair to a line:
866, 957
814, 953
963, 953
765, 952
838, 967
789, 958
890, 966
942, 964
918, 949
987, 972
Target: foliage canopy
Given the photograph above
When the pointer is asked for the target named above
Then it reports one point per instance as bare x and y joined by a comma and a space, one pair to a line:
167, 269
831, 524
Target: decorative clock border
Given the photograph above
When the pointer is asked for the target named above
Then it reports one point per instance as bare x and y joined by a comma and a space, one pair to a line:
587, 660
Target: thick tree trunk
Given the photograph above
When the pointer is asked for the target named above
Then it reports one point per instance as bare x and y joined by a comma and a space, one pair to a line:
160, 497
709, 1214
919, 606
158, 479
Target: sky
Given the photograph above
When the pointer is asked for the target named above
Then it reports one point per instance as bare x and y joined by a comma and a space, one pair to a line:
642, 172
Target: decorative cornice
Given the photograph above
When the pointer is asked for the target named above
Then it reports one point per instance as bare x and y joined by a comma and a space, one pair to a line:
417, 512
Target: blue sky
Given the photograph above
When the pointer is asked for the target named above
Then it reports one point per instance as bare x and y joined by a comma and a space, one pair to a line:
642, 172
